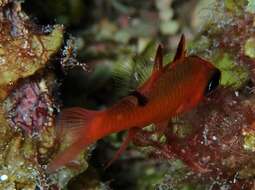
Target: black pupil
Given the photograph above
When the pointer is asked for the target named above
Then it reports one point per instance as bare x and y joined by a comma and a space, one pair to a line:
213, 82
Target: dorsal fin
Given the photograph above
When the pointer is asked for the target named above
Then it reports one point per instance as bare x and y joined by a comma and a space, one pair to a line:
180, 52
158, 61
157, 70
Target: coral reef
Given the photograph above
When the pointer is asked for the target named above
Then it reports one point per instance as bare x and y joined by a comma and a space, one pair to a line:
211, 147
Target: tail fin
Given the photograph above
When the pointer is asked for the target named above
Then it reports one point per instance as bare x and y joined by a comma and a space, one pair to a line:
76, 123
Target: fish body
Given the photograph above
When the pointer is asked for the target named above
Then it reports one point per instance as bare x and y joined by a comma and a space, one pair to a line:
171, 90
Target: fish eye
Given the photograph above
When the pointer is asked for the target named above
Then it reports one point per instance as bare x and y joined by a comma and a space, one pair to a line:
213, 82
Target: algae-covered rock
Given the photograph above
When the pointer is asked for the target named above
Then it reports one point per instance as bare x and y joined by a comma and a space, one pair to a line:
27, 104
23, 51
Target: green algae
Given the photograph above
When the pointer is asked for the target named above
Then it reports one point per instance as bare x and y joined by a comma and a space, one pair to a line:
232, 75
249, 48
251, 6
235, 6
249, 142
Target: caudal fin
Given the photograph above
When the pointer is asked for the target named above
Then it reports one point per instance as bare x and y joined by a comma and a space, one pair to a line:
76, 124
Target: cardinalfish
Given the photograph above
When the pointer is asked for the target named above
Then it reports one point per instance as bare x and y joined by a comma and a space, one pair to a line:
171, 90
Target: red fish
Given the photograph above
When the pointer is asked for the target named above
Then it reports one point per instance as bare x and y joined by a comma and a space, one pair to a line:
171, 90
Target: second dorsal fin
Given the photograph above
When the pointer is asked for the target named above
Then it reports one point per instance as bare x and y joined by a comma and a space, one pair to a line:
180, 52
158, 61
